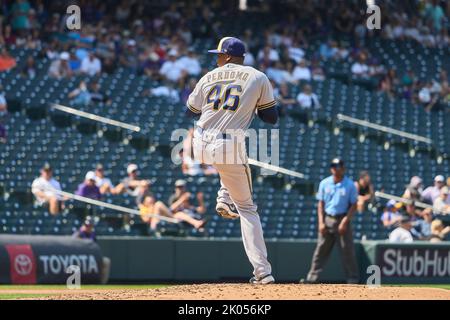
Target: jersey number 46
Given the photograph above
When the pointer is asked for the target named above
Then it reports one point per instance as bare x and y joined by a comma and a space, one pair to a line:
229, 100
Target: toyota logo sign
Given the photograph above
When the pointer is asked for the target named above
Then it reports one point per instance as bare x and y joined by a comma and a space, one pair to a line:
23, 264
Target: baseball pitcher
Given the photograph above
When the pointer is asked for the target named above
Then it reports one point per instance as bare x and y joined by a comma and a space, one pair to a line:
227, 99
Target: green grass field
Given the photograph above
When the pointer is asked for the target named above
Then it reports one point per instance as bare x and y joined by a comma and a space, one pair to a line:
5, 290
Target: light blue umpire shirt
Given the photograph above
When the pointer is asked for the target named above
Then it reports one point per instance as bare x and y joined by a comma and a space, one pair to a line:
337, 197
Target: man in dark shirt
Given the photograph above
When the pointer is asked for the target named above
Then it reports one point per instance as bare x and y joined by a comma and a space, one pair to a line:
86, 230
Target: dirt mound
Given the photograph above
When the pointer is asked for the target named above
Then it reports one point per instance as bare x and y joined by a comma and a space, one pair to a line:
255, 292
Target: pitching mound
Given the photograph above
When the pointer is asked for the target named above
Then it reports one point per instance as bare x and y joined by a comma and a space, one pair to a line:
252, 292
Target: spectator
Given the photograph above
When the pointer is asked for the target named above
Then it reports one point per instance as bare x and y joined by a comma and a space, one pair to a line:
426, 96
44, 188
402, 234
391, 217
60, 68
414, 189
97, 95
180, 201
80, 96
86, 230
132, 184
190, 63
88, 188
171, 70
442, 203
91, 65
104, 184
3, 103
360, 69
301, 72
20, 11
365, 190
6, 61
285, 99
422, 228
432, 192
307, 99
278, 73
438, 231
150, 206
165, 90
29, 70
3, 111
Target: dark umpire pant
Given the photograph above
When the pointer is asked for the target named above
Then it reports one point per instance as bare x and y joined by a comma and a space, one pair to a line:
325, 245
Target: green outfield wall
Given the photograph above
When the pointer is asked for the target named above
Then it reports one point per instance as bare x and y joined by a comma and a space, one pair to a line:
191, 260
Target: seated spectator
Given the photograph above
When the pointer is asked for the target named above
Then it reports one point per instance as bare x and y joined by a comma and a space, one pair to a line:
6, 61
189, 165
307, 99
88, 188
29, 70
80, 96
442, 203
278, 73
165, 90
414, 189
190, 63
60, 68
3, 103
132, 184
402, 234
391, 216
180, 201
86, 230
438, 231
328, 50
428, 96
422, 228
284, 98
365, 190
318, 74
267, 56
43, 188
360, 68
296, 53
432, 192
91, 65
171, 70
97, 95
150, 206
74, 63
301, 72
104, 184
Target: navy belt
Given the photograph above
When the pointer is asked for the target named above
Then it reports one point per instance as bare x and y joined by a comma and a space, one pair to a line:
336, 216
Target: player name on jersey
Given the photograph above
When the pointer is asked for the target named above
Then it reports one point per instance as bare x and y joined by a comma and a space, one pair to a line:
227, 75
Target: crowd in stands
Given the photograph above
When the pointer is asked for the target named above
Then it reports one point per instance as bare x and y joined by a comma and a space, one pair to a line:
412, 221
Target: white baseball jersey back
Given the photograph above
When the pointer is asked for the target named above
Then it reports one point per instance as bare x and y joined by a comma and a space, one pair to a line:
228, 96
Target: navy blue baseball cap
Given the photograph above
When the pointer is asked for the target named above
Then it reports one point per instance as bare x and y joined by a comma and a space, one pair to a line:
231, 46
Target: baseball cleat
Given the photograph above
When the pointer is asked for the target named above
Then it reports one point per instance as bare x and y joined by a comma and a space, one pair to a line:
268, 279
227, 211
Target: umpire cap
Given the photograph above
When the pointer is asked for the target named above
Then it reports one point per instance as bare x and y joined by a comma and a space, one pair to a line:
231, 46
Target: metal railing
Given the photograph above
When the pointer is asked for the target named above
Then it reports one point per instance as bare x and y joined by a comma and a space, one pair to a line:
385, 129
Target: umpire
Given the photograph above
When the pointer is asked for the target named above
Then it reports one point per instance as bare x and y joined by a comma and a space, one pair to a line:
337, 198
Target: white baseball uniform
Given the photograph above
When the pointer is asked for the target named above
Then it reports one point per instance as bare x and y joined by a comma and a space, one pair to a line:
227, 99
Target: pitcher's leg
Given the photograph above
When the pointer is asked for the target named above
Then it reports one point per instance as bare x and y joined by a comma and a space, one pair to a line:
236, 179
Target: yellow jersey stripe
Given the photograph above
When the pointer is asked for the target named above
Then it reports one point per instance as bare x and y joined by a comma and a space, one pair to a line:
192, 108
219, 47
267, 106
